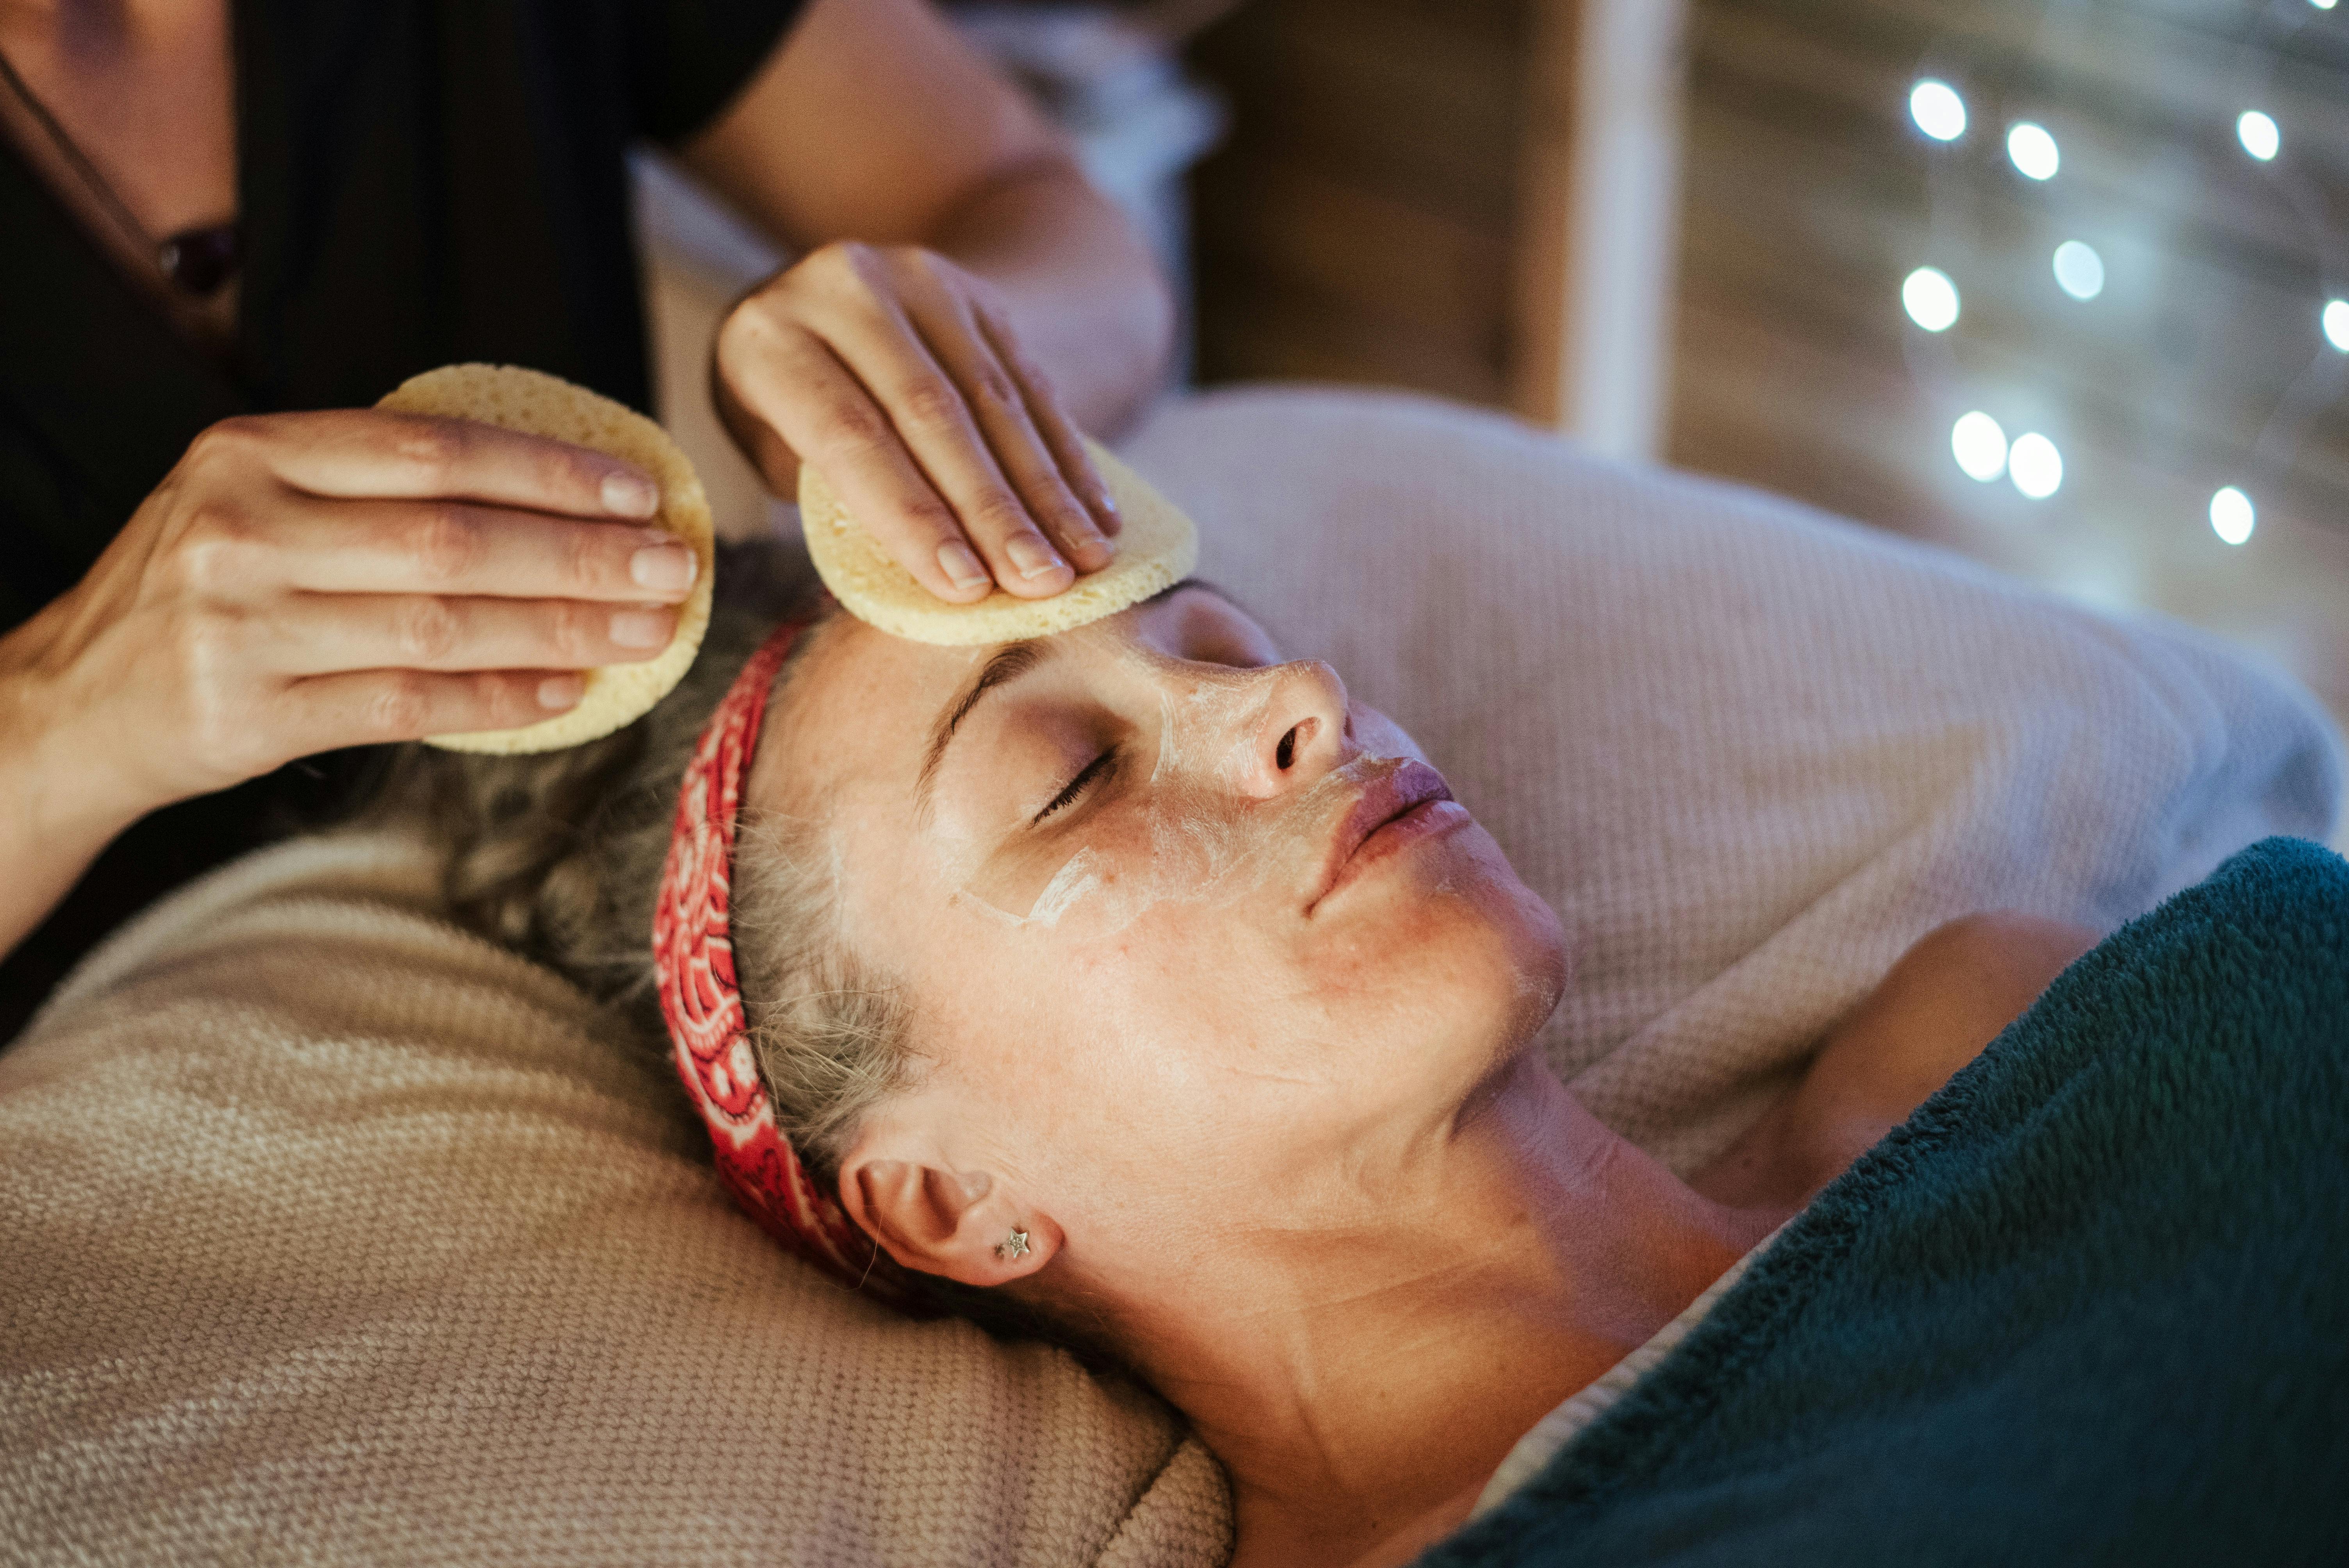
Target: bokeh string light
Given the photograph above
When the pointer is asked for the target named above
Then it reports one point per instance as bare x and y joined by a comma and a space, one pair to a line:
1938, 109
2033, 150
1980, 444
1930, 299
2035, 465
2079, 271
2259, 133
2232, 515
1930, 295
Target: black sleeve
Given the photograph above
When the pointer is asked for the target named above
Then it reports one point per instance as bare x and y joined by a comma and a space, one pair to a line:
690, 58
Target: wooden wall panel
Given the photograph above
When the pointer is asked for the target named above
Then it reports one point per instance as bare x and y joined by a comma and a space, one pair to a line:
1809, 196
1357, 224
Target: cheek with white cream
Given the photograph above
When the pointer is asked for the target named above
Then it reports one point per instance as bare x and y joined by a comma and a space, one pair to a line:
1182, 833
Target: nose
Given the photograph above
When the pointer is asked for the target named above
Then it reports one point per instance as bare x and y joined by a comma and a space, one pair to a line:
1301, 733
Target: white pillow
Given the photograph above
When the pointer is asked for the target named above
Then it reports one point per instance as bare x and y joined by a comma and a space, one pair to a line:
330, 1232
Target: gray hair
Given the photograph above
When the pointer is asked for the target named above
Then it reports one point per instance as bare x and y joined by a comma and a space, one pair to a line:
559, 857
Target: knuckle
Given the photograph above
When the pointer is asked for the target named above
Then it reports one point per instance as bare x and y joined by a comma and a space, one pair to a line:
436, 447
572, 472
1032, 374
1068, 517
230, 441
930, 518
218, 549
759, 318
990, 385
399, 708
846, 426
999, 512
426, 630
930, 401
825, 271
502, 701
840, 258
576, 635
445, 543
583, 566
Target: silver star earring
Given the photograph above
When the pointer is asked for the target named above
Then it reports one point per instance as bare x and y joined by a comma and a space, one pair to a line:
1014, 1245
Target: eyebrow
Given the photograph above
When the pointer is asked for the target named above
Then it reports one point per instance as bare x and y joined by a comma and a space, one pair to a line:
1008, 664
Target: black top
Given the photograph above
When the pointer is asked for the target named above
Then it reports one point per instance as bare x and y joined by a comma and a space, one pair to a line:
419, 183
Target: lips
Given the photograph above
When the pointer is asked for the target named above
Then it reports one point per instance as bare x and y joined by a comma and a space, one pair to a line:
1385, 798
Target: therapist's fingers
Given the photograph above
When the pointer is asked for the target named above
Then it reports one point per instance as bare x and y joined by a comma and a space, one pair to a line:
322, 633
877, 341
372, 452
365, 707
790, 379
1059, 433
461, 548
949, 327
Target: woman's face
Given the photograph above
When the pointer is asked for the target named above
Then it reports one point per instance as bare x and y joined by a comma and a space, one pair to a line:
1159, 902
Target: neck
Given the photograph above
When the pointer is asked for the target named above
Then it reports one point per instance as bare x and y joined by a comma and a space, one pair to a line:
1360, 1390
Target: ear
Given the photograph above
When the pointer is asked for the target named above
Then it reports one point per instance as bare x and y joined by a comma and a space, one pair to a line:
963, 1225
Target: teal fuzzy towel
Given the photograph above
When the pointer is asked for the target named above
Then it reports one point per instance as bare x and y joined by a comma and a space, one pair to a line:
2090, 1304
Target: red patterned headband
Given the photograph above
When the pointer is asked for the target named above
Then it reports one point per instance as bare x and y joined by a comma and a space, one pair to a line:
693, 955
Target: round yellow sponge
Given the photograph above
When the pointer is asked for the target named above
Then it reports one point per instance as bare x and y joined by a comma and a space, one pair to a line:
540, 405
1156, 549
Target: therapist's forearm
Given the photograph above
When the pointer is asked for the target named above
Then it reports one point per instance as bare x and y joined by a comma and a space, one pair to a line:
1085, 296
42, 855
56, 811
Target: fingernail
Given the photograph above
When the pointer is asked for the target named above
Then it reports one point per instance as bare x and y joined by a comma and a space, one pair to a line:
560, 691
962, 567
667, 567
642, 628
1031, 555
1089, 547
630, 495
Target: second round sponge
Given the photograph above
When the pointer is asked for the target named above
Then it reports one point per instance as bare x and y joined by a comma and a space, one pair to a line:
1156, 549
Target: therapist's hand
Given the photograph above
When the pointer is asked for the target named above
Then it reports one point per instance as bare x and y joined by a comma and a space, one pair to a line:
304, 581
896, 374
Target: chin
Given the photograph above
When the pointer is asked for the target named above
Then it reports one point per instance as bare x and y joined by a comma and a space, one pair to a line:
1465, 954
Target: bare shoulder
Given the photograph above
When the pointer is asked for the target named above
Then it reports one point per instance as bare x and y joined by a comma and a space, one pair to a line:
1946, 999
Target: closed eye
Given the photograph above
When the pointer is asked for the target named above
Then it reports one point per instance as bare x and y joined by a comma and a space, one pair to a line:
1076, 787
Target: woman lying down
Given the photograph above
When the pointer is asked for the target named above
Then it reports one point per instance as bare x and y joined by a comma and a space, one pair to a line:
1138, 988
